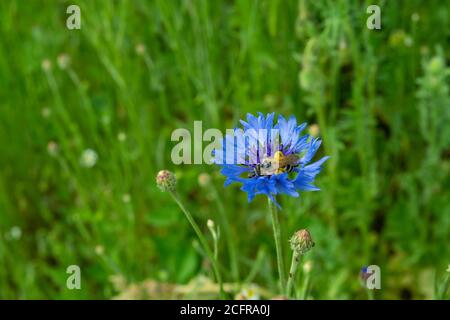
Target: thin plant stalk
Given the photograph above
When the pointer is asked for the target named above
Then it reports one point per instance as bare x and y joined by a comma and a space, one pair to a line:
304, 294
278, 246
370, 294
215, 236
292, 273
231, 244
202, 240
442, 291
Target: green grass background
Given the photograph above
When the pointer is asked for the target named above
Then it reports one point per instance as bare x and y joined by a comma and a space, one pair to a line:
381, 100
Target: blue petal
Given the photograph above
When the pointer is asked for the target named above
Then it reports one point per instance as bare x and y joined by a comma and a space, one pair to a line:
312, 149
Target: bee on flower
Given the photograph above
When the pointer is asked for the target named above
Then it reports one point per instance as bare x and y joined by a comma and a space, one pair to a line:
268, 158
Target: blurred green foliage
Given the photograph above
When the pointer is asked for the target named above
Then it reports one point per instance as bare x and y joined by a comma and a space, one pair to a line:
137, 70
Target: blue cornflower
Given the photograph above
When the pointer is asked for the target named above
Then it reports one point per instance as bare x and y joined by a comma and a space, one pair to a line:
270, 159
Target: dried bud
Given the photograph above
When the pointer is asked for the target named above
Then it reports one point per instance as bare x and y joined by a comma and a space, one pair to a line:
301, 242
166, 181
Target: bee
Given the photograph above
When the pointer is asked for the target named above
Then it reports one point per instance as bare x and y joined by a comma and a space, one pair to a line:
279, 163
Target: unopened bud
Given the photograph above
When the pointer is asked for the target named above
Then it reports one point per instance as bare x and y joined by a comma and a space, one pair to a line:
307, 266
280, 298
63, 61
204, 179
301, 242
210, 224
166, 181
46, 65
436, 65
314, 130
140, 49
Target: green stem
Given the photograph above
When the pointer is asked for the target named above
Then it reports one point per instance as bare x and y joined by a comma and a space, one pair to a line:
215, 237
444, 287
277, 236
370, 294
304, 295
231, 244
292, 273
203, 242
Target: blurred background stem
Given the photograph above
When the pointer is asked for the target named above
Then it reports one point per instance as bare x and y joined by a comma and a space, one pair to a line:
202, 240
229, 238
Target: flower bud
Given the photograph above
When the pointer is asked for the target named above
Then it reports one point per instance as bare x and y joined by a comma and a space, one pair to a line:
166, 181
46, 65
140, 49
307, 266
436, 65
204, 179
63, 61
210, 224
314, 130
52, 148
301, 242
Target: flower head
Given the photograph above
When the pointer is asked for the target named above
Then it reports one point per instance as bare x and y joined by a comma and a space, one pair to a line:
270, 158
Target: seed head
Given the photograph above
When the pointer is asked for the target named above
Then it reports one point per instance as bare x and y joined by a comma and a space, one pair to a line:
301, 242
166, 181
